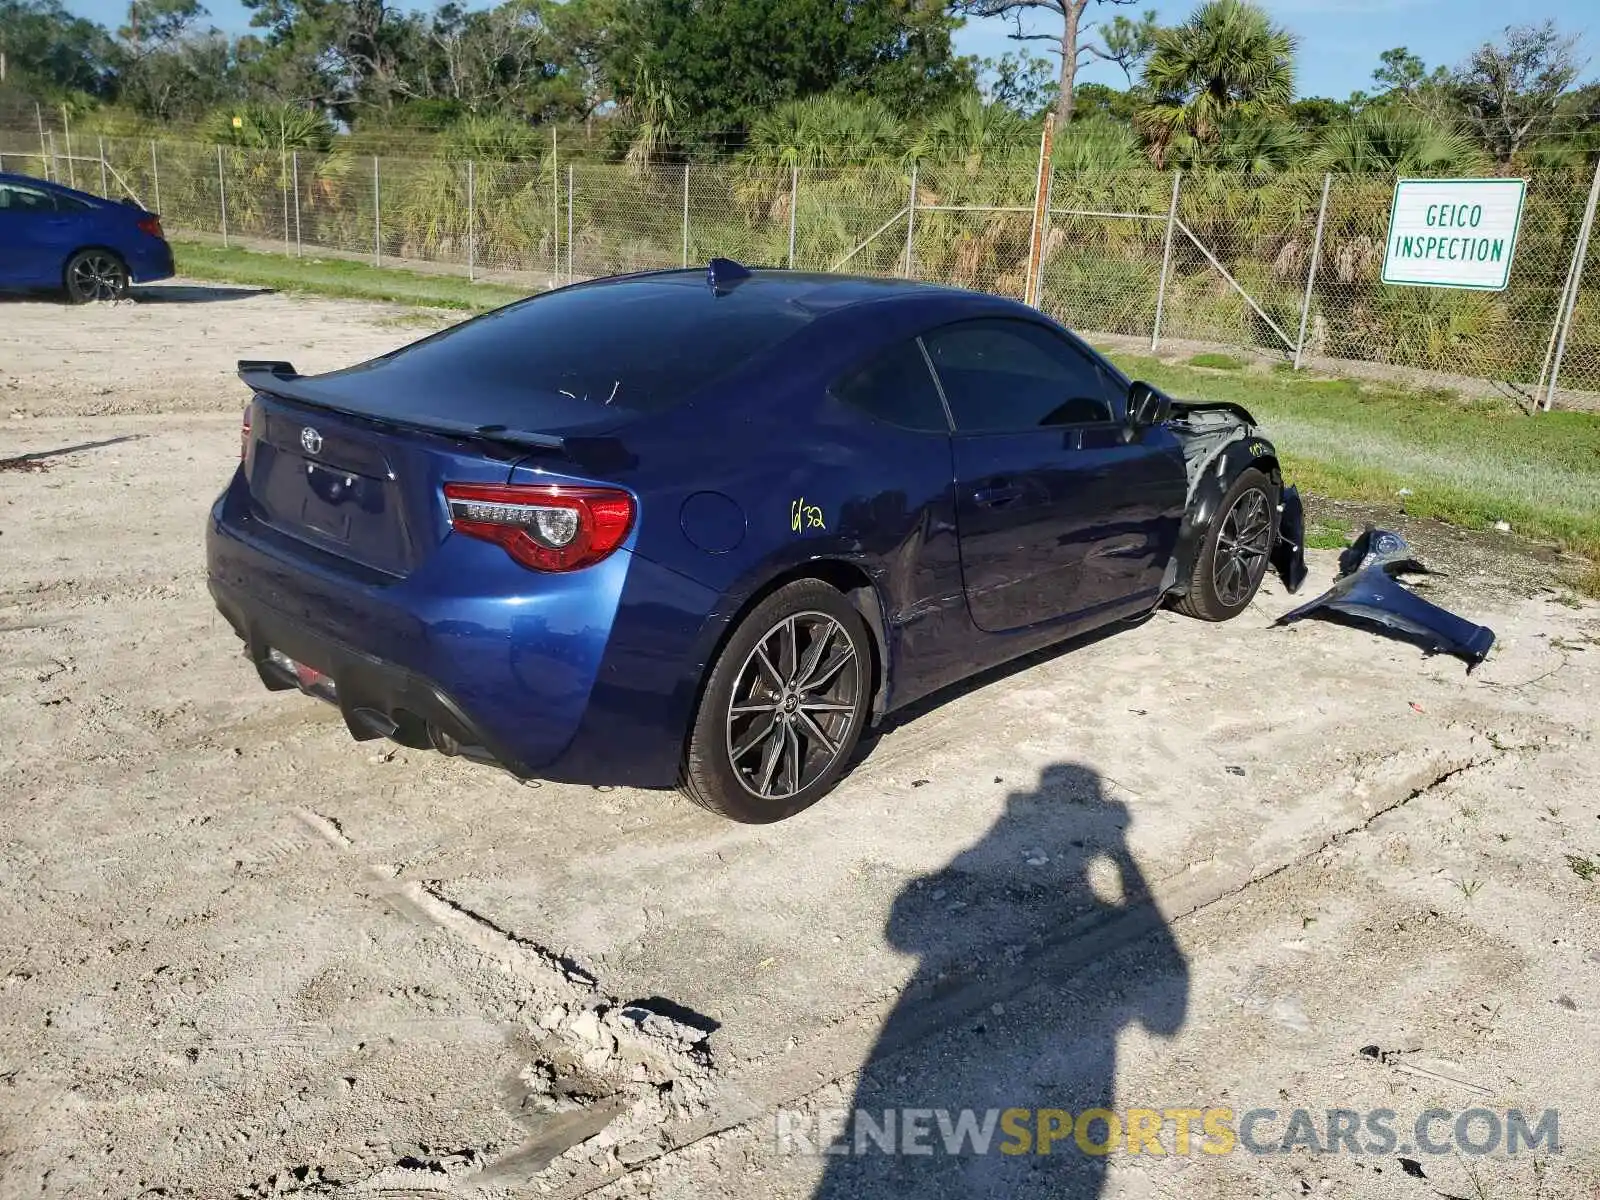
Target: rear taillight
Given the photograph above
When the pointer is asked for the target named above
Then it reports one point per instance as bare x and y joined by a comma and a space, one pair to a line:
549, 527
244, 431
151, 224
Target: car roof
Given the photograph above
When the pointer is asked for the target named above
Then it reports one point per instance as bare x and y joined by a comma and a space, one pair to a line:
49, 185
31, 180
813, 292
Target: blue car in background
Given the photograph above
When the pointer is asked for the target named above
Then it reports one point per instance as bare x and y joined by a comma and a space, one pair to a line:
702, 528
54, 238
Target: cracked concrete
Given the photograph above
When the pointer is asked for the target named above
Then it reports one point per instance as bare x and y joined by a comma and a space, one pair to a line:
243, 955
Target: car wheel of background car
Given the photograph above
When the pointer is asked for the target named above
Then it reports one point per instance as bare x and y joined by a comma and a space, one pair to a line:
1233, 559
784, 708
95, 275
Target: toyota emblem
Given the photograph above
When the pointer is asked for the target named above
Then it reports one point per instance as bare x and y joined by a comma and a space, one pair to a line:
310, 440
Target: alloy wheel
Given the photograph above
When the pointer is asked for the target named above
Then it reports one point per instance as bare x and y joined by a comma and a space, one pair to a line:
793, 704
1243, 543
97, 277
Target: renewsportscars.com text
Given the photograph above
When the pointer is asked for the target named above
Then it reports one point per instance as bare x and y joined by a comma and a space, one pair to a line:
1163, 1131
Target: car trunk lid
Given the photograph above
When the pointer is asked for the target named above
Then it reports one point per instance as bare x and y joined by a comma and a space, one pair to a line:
367, 488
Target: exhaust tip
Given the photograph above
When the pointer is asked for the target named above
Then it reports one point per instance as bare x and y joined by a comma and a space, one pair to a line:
368, 723
443, 742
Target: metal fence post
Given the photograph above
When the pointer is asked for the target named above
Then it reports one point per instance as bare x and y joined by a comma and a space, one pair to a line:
155, 175
1041, 205
685, 214
569, 223
377, 217
555, 205
47, 148
794, 207
104, 186
283, 175
1311, 275
472, 220
66, 132
294, 179
50, 169
911, 219
1577, 282
1166, 263
222, 197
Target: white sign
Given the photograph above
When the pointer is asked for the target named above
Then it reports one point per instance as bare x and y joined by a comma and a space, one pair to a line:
1457, 233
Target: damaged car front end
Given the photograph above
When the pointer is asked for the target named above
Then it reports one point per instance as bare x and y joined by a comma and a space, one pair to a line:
1220, 441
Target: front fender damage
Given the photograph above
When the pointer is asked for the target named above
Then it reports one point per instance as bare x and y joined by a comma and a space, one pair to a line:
1219, 440
1368, 591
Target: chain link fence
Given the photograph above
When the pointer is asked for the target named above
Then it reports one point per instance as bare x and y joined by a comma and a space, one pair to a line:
1284, 263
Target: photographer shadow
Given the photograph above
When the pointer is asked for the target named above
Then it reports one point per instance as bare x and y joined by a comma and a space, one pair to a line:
993, 1019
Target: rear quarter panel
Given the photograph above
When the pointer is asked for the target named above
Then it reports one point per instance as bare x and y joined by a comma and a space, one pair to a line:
813, 481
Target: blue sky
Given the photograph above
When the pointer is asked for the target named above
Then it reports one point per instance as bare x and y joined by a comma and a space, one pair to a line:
1340, 39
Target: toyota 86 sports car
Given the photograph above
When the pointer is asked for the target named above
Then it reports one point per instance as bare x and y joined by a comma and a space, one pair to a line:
704, 528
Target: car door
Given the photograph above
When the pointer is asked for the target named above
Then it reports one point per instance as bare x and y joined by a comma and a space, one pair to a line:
28, 220
1061, 510
905, 516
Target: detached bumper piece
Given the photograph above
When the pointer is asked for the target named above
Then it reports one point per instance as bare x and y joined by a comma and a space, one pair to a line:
1289, 554
1368, 591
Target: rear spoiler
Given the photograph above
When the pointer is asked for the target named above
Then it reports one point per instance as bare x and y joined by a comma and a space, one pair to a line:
277, 378
249, 368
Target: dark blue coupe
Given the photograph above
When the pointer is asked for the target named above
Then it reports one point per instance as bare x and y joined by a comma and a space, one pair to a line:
701, 528
53, 238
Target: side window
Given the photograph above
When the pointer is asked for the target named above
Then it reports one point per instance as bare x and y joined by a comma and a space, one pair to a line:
15, 198
896, 387
72, 204
1002, 375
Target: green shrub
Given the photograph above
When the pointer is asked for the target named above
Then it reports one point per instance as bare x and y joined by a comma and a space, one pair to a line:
1218, 362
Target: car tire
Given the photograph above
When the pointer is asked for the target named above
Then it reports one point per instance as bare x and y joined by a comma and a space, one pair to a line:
784, 707
1234, 556
95, 275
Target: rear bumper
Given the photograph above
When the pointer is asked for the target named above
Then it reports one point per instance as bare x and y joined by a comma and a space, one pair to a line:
376, 698
150, 260
586, 678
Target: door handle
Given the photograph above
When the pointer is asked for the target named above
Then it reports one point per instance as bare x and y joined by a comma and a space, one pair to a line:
997, 495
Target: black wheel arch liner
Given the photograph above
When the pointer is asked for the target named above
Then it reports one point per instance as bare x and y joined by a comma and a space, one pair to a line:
1246, 449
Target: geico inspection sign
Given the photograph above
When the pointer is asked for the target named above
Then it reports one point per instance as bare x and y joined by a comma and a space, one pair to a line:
1456, 233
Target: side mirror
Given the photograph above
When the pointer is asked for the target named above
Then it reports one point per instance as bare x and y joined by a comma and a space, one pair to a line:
1147, 405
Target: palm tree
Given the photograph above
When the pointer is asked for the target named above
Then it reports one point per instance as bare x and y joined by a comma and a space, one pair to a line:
1228, 60
1096, 144
652, 108
270, 127
1259, 147
974, 132
1390, 140
831, 130
492, 136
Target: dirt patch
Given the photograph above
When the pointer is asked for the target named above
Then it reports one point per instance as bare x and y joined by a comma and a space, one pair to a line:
1179, 864
172, 347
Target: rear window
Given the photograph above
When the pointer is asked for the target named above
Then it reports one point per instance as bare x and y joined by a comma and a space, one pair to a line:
640, 345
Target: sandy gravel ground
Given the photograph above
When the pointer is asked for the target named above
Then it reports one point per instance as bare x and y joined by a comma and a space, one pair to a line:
1177, 866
